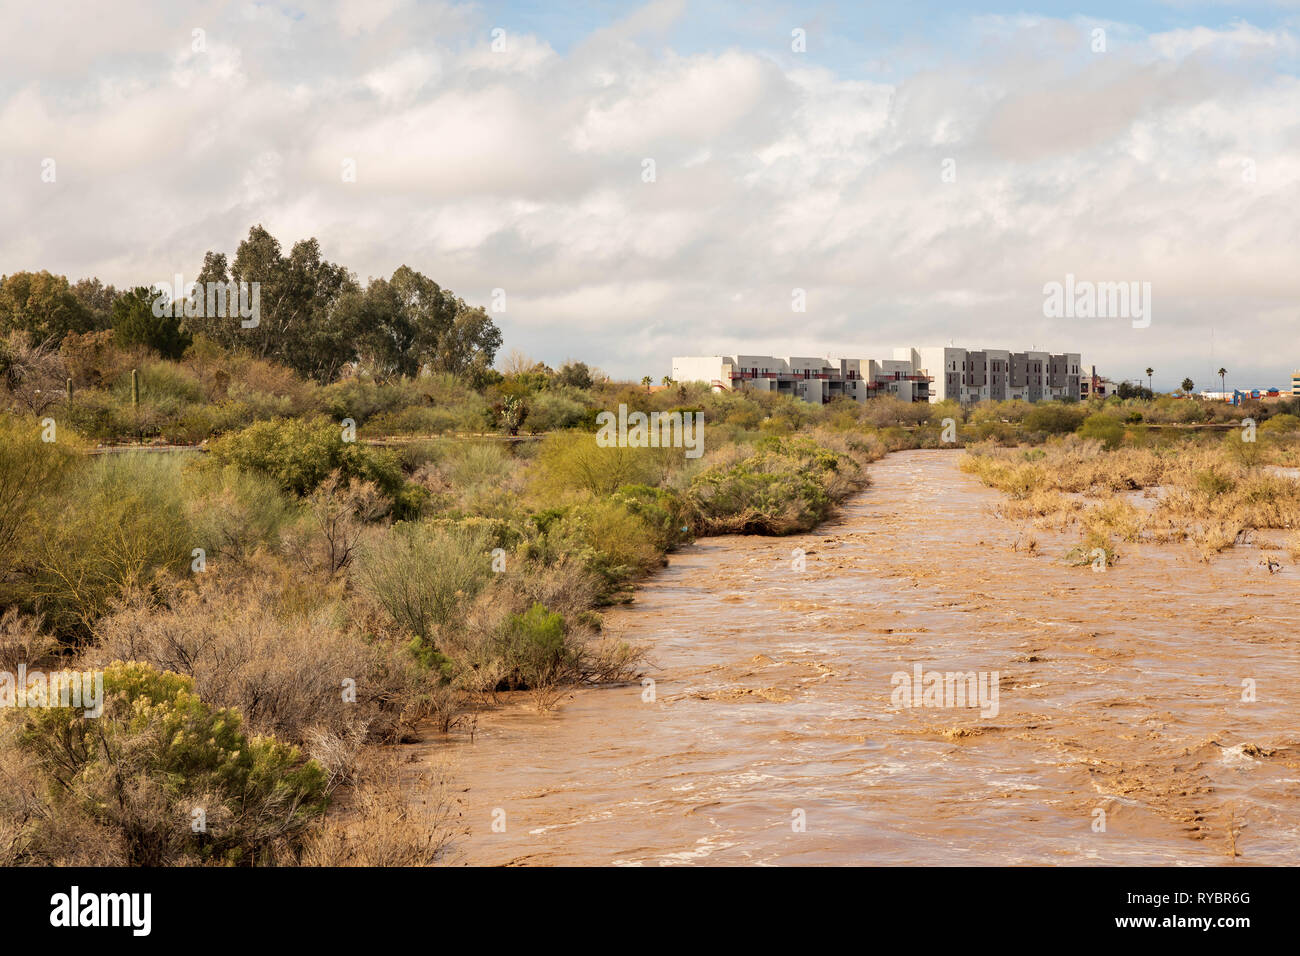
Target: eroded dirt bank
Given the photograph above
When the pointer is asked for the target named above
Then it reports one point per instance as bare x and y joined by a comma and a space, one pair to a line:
1118, 691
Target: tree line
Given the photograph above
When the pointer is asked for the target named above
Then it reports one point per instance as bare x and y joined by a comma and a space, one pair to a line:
315, 317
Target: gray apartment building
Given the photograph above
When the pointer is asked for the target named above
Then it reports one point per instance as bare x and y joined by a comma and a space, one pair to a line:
974, 375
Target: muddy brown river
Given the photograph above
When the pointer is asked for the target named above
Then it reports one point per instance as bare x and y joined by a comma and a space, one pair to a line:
773, 733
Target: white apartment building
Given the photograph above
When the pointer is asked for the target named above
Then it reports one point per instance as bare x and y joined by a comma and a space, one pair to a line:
813, 379
912, 375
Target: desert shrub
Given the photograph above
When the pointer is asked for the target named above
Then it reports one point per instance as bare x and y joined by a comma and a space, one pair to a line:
1096, 549
385, 823
1114, 516
606, 538
297, 455
257, 405
190, 426
1176, 411
32, 376
554, 411
1054, 418
135, 774
1012, 411
780, 489
421, 575
360, 399
417, 420
563, 586
233, 512
662, 510
1212, 483
300, 454
572, 461
887, 410
1284, 423
1105, 428
270, 390
92, 360
1266, 501
125, 525
166, 386
24, 641
333, 522
1244, 454
32, 472
496, 532
469, 464
471, 478
287, 669
535, 651
100, 416
1001, 432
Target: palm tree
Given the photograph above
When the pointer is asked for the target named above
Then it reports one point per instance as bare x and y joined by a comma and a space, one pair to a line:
1150, 372
1188, 385
668, 381
646, 380
1222, 373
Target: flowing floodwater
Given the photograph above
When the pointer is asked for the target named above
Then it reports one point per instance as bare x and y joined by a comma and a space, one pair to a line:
1120, 691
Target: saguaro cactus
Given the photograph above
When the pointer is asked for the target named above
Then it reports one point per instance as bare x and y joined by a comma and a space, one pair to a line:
135, 389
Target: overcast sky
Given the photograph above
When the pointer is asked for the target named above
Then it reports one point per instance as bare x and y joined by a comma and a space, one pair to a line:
1171, 157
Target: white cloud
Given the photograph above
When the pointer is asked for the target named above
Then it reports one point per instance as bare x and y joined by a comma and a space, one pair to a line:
1239, 37
523, 170
401, 80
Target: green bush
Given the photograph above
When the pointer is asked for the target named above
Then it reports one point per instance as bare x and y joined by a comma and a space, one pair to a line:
780, 489
100, 416
298, 455
157, 754
361, 399
422, 575
1212, 483
554, 411
257, 404
32, 472
662, 510
572, 461
233, 511
534, 649
604, 537
1054, 418
123, 526
166, 386
420, 420
1283, 423
1105, 428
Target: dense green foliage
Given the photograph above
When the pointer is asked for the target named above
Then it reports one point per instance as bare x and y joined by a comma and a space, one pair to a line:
134, 323
138, 773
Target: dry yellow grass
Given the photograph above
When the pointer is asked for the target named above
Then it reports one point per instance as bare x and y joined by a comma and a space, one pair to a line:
1211, 494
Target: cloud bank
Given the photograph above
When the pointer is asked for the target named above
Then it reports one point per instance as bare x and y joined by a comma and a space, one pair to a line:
927, 204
